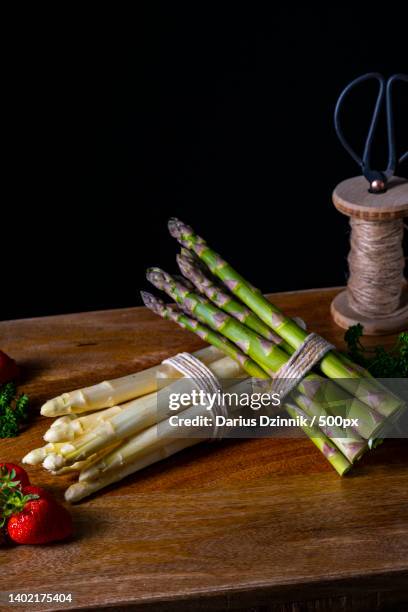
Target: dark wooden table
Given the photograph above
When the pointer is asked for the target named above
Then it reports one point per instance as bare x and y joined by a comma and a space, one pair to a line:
256, 524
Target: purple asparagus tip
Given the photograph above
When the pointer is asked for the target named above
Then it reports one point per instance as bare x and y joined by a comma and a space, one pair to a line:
151, 302
177, 228
185, 266
157, 277
192, 271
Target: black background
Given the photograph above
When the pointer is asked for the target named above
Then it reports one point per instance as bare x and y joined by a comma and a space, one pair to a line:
220, 114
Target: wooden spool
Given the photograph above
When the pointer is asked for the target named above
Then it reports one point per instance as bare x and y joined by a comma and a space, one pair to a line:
352, 198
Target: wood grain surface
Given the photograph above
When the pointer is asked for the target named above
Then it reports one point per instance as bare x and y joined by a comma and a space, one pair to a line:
252, 524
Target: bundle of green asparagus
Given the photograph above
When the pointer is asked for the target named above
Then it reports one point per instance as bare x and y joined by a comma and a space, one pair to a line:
114, 428
215, 295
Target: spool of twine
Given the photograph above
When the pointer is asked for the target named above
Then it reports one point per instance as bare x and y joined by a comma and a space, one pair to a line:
376, 263
377, 292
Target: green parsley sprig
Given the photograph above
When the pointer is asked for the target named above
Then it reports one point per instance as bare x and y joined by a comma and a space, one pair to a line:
13, 410
380, 362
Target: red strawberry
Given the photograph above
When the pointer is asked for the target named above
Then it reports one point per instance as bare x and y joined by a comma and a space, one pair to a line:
39, 522
7, 475
9, 370
30, 513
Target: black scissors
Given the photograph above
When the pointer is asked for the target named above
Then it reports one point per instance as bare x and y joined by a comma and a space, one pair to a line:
376, 178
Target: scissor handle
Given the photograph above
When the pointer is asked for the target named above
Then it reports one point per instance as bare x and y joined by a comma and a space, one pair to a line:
384, 91
364, 161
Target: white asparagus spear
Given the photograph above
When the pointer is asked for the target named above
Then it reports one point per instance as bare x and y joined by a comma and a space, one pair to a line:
37, 455
82, 489
118, 390
157, 436
150, 440
83, 465
135, 416
69, 429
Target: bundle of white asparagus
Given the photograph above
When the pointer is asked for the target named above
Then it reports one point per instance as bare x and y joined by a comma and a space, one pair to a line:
104, 437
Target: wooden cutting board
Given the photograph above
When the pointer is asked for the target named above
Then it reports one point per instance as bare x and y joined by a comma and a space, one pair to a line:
229, 525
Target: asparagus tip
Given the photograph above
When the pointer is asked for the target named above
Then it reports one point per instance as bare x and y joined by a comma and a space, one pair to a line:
52, 435
59, 434
151, 302
157, 277
192, 270
53, 462
34, 457
63, 421
48, 409
177, 228
185, 265
76, 492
